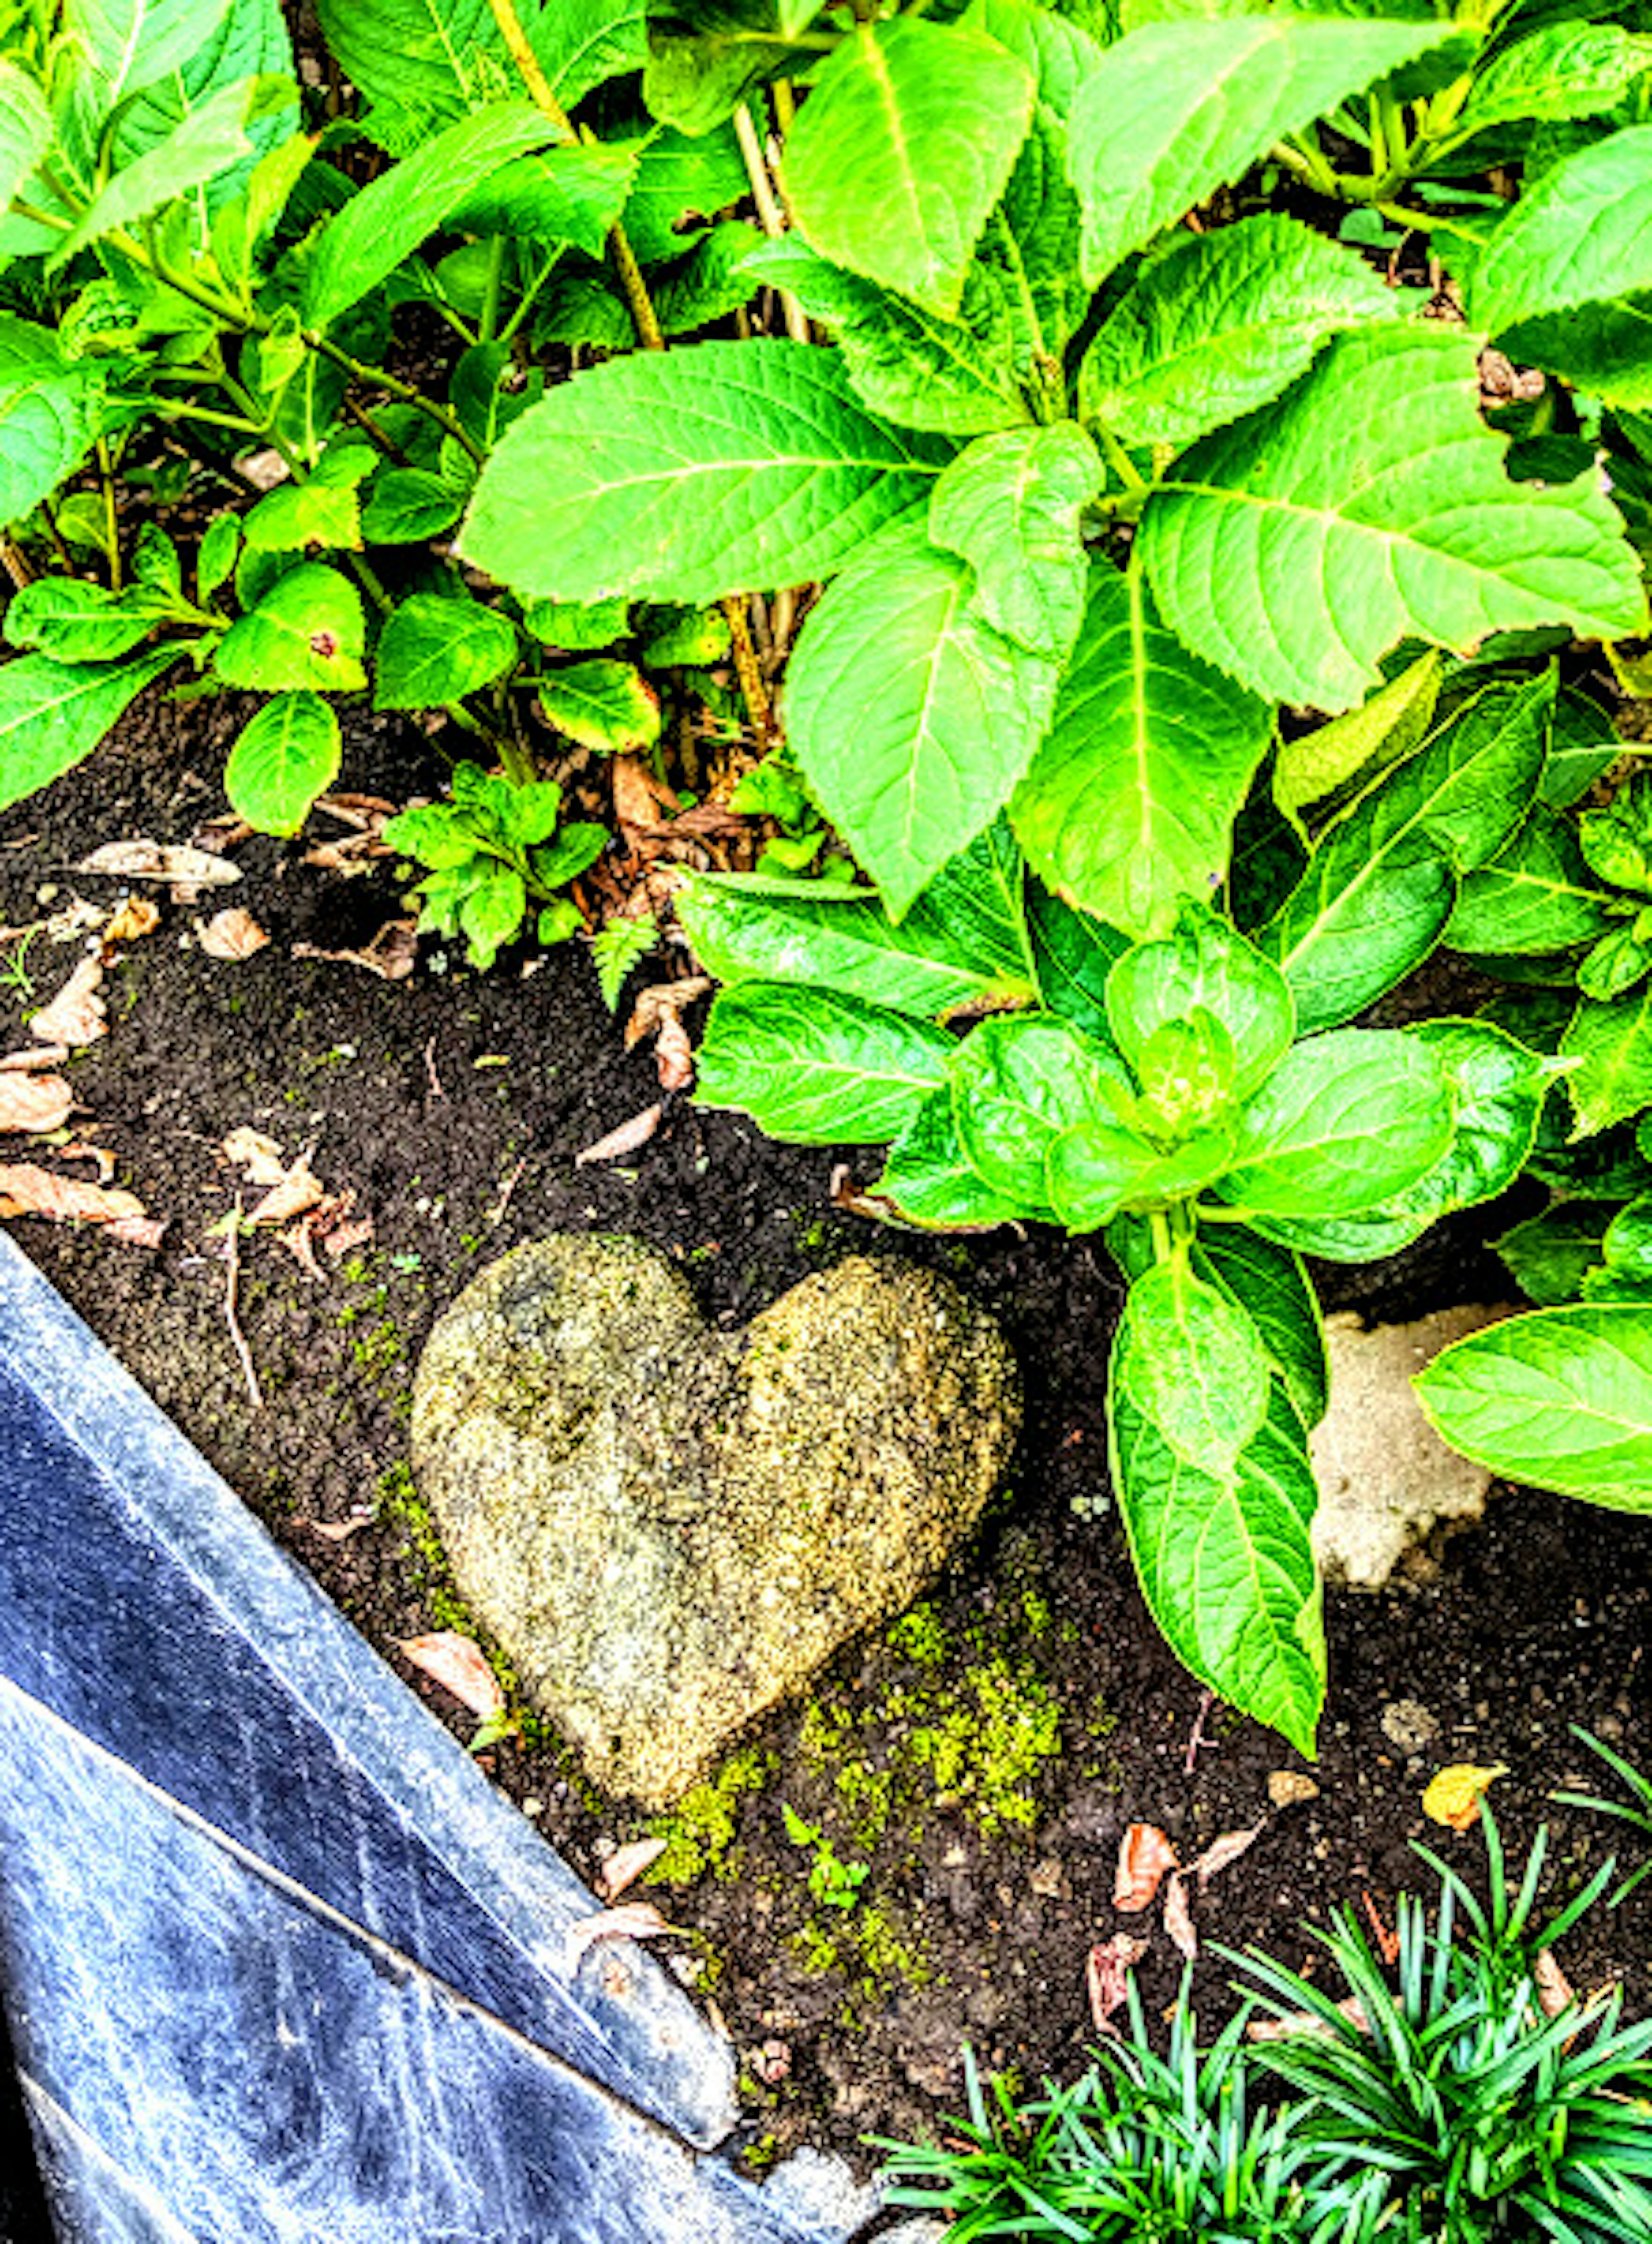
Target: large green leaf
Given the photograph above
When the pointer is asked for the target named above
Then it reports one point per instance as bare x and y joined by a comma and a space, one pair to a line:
422, 63
1072, 955
811, 1067
288, 753
573, 193
1370, 505
1561, 1399
1010, 505
1603, 349
910, 717
1203, 964
1022, 1084
1387, 727
1561, 69
1382, 883
903, 148
929, 1178
1225, 1560
1130, 803
1345, 1122
25, 129
583, 44
1174, 111
1582, 233
52, 714
1536, 894
306, 630
434, 650
914, 367
1269, 1283
127, 44
1611, 1048
360, 246
1195, 1365
1550, 1254
1221, 324
207, 141
691, 473
250, 40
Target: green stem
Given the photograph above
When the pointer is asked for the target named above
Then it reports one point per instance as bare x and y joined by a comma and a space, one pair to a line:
487, 325
112, 515
1120, 460
524, 302
1163, 1246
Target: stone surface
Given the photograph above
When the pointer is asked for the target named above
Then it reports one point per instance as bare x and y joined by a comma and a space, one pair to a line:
669, 1527
278, 1964
1386, 1480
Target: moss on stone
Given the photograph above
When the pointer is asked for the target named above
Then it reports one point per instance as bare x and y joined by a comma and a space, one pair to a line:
701, 1830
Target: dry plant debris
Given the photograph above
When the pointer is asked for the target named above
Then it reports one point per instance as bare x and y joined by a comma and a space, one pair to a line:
1108, 1977
627, 1138
129, 922
632, 1920
28, 1190
1454, 1794
178, 863
33, 1102
658, 1013
233, 935
391, 955
1144, 1858
456, 1663
293, 1186
76, 1015
626, 1864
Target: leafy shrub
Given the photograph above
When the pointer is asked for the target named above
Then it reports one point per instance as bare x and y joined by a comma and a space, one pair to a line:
1444, 2101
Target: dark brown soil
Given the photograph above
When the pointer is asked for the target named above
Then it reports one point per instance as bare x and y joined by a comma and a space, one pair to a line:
454, 1106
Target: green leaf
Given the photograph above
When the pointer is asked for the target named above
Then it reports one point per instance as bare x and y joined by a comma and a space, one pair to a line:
1549, 1254
288, 753
1581, 234
1381, 885
1535, 896
1020, 1083
607, 706
324, 509
1297, 548
573, 193
53, 714
406, 505
811, 1067
1202, 964
1195, 1365
128, 44
575, 629
434, 650
680, 178
306, 630
690, 638
425, 61
1345, 1122
1221, 323
911, 718
929, 1178
1561, 1399
583, 44
618, 947
1616, 840
689, 474
1561, 69
744, 930
250, 41
1270, 1284
1389, 725
25, 129
359, 246
1583, 745
1073, 955
50, 410
1010, 505
1612, 1047
914, 367
73, 621
1130, 802
1174, 111
904, 146
216, 555
490, 911
1225, 1560
1605, 349
207, 141
709, 283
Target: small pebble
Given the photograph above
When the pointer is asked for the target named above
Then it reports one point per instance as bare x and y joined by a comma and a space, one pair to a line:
47, 893
1049, 1879
1286, 1787
1409, 1725
533, 1808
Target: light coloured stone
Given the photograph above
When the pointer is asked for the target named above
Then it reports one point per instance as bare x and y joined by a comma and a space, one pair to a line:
669, 1527
1386, 1480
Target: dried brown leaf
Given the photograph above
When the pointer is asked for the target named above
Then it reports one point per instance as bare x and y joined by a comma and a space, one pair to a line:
37, 1060
391, 955
674, 1056
640, 795
1554, 1989
456, 1663
34, 1102
27, 1190
138, 1230
298, 1190
136, 918
260, 1156
626, 1864
232, 934
625, 1139
632, 1920
1106, 1973
161, 861
367, 811
348, 1237
1225, 1849
76, 1015
1145, 1854
1178, 1916
662, 1002
1307, 2022
99, 1155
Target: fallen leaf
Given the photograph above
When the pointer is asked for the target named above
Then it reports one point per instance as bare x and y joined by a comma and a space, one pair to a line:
456, 1663
1225, 1849
136, 918
1178, 1918
674, 1056
232, 934
639, 795
662, 1002
369, 811
1307, 2022
625, 1139
348, 1237
338, 1530
161, 861
75, 1015
294, 1186
632, 1920
1289, 1788
1144, 1857
37, 1060
260, 1156
319, 1222
1107, 1976
626, 1864
1387, 1940
1453, 1796
34, 1102
1555, 1993
100, 1155
392, 954
26, 1190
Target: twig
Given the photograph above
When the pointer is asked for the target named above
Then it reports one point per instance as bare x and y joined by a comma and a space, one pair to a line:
1206, 1700
769, 213
437, 1092
232, 1282
496, 1213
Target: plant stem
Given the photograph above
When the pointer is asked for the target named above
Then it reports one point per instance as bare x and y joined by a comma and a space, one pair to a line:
769, 213
1159, 1222
112, 516
487, 327
1120, 460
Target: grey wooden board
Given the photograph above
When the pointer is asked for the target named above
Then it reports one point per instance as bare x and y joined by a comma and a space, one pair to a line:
279, 1963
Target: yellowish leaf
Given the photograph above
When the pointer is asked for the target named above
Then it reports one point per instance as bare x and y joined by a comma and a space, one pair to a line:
1454, 1797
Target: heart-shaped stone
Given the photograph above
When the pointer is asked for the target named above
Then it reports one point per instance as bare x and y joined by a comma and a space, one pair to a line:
669, 1528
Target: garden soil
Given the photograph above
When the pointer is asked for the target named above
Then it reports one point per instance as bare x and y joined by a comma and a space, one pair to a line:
984, 1757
